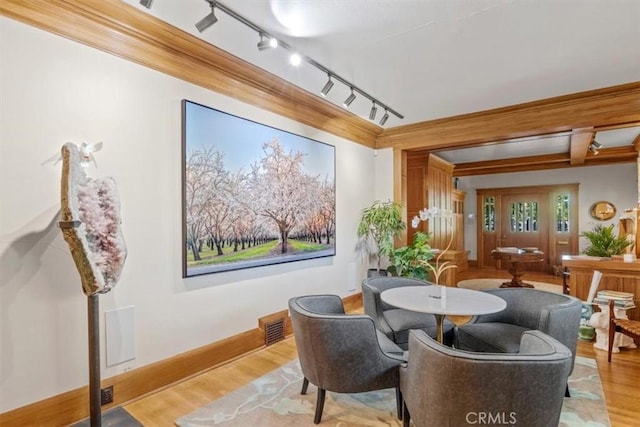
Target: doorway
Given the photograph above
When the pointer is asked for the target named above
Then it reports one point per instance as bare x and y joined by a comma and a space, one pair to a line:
543, 217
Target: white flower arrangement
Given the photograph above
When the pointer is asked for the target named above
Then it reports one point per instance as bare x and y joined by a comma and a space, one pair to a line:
436, 268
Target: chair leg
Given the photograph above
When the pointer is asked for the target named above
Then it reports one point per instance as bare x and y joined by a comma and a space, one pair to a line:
566, 392
399, 402
305, 385
319, 406
612, 336
406, 417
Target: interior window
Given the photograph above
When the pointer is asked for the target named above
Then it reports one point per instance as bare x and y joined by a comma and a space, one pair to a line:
489, 214
524, 217
562, 213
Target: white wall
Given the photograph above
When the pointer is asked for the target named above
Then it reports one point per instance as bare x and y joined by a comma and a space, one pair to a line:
53, 91
613, 183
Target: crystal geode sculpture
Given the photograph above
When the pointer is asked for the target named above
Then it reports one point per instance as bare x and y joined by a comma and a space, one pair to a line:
90, 222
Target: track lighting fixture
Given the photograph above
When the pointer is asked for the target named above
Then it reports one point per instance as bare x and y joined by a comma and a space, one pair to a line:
146, 3
208, 20
349, 99
295, 59
327, 87
596, 144
593, 149
372, 113
266, 42
384, 118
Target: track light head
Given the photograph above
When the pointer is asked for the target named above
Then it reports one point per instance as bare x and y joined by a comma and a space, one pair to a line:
593, 149
384, 118
268, 43
596, 144
207, 21
372, 113
349, 99
146, 3
295, 59
327, 87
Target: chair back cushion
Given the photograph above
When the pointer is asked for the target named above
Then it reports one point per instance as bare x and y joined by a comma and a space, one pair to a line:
340, 352
443, 386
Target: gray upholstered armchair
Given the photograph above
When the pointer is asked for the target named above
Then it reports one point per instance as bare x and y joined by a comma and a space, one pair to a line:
557, 315
442, 386
342, 353
396, 322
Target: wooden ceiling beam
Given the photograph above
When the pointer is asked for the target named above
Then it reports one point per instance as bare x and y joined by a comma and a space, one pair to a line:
580, 141
615, 106
626, 154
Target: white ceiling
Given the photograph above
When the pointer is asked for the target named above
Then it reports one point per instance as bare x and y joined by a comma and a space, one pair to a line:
430, 59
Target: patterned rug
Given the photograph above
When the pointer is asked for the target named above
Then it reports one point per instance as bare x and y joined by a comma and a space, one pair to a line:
275, 400
482, 284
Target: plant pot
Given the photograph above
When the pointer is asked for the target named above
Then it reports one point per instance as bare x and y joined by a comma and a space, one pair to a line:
586, 333
372, 272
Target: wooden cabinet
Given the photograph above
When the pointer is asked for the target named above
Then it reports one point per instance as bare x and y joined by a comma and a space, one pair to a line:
429, 183
457, 201
616, 276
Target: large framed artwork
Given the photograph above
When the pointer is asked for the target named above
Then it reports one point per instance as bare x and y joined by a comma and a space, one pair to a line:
252, 195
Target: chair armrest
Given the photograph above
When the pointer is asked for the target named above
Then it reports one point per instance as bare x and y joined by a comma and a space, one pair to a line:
373, 308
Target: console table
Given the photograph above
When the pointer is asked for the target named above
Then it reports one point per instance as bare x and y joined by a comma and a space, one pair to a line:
616, 276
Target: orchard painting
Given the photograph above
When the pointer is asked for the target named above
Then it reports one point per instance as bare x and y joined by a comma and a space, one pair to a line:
253, 195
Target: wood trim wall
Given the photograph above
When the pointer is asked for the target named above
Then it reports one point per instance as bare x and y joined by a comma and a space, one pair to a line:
73, 406
122, 30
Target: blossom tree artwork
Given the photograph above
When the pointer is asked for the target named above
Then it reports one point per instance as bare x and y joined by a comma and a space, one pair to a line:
90, 222
253, 195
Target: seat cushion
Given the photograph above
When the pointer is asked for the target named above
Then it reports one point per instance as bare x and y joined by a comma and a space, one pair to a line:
402, 321
492, 337
389, 346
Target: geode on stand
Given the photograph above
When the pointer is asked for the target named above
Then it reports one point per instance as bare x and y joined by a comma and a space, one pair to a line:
90, 222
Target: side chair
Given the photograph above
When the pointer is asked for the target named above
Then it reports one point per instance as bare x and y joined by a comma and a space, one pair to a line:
444, 386
342, 353
630, 328
396, 322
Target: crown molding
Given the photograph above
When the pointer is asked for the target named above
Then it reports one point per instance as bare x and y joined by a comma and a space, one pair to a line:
122, 30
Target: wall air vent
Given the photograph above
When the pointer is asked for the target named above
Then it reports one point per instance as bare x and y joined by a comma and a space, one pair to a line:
274, 332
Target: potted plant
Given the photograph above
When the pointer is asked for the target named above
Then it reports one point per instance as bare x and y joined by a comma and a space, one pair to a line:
604, 242
411, 260
379, 225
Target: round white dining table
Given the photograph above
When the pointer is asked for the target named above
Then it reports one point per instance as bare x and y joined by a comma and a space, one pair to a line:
442, 301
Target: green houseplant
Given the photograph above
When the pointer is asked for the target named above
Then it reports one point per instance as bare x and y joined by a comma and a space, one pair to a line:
604, 243
379, 225
411, 260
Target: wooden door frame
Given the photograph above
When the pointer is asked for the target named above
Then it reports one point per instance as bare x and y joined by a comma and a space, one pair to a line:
551, 191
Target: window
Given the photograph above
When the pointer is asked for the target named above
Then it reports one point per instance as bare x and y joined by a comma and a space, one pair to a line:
562, 213
524, 217
489, 214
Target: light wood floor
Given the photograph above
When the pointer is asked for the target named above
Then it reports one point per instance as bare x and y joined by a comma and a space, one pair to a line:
620, 379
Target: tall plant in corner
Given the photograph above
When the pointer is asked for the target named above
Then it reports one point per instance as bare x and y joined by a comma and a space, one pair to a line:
379, 225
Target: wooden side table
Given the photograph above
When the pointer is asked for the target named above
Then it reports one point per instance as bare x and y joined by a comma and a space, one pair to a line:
516, 258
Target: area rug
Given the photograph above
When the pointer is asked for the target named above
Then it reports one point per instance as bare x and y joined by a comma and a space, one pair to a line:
482, 284
274, 400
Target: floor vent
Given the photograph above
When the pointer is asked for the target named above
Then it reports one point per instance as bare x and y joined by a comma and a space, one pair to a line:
274, 332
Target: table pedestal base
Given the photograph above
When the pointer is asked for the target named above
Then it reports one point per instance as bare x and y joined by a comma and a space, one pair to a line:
516, 281
514, 284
